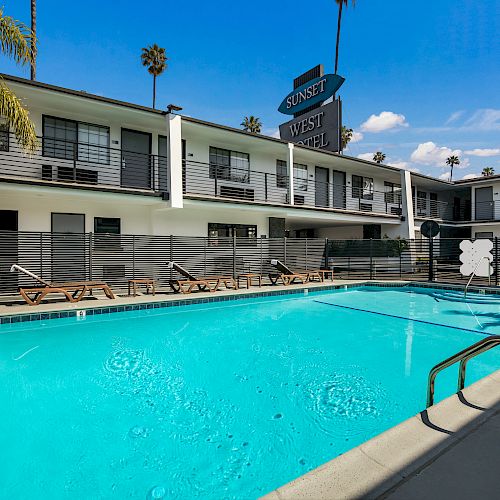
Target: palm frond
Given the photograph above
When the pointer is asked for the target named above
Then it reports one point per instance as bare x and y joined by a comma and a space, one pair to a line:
17, 118
17, 40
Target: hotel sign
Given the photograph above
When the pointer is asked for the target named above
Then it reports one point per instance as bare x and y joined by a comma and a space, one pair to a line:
311, 93
318, 128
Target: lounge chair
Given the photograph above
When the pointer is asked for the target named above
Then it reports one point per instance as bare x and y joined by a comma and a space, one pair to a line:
73, 291
288, 277
190, 281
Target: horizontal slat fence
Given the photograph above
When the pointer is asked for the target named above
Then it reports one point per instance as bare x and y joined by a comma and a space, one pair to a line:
61, 257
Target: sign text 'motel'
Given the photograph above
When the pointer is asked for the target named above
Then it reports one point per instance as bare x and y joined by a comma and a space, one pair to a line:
312, 92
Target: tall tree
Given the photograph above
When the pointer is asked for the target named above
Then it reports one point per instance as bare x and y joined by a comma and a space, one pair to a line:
19, 43
341, 4
452, 161
33, 45
378, 157
345, 136
155, 59
488, 171
252, 124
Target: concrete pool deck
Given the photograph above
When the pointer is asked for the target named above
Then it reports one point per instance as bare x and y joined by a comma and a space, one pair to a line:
19, 307
450, 451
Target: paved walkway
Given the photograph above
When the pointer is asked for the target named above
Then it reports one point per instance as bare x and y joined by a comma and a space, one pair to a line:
100, 300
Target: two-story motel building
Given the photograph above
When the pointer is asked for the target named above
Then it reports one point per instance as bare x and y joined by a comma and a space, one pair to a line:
116, 167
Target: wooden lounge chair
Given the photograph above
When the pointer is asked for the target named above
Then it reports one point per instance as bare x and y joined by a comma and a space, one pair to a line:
287, 276
73, 291
190, 281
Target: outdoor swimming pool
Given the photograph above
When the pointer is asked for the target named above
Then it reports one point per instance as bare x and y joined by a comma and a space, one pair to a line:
222, 400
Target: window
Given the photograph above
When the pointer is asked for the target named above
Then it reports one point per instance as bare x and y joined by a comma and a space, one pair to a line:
107, 231
93, 143
68, 139
392, 193
281, 174
299, 175
484, 234
59, 138
421, 202
362, 187
229, 165
4, 137
229, 230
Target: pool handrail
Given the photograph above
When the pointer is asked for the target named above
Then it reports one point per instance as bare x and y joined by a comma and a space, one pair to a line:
463, 356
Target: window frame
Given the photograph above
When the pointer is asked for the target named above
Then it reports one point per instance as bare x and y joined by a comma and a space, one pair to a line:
300, 183
223, 172
358, 192
393, 195
76, 143
4, 144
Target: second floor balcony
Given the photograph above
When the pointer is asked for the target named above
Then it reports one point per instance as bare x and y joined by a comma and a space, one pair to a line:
242, 184
63, 162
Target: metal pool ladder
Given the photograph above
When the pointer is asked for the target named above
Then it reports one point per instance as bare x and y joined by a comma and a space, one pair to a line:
463, 356
474, 273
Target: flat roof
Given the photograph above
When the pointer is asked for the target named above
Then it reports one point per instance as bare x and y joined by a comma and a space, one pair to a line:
116, 102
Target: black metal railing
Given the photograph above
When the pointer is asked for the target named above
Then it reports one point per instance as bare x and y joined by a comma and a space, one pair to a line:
223, 181
487, 210
61, 257
62, 161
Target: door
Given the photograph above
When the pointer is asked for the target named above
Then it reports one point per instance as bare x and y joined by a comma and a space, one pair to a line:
68, 247
322, 187
338, 182
484, 203
136, 159
9, 253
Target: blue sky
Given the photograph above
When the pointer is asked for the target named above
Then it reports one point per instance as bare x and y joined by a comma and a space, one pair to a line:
422, 78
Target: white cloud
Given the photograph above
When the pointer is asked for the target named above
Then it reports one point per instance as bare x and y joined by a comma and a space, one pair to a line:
428, 153
483, 152
470, 176
445, 176
384, 121
272, 132
356, 137
484, 119
366, 156
454, 117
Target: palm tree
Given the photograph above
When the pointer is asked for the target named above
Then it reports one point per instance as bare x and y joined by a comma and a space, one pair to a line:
346, 136
19, 43
488, 171
155, 59
33, 31
252, 124
452, 161
378, 157
341, 4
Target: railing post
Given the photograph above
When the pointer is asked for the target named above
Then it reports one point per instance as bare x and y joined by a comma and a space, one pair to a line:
495, 262
265, 185
215, 176
371, 258
326, 254
306, 255
234, 256
261, 255
91, 256
133, 256
171, 255
205, 242
284, 250
74, 160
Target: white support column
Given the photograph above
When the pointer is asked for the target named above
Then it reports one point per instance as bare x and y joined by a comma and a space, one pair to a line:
289, 164
408, 226
174, 160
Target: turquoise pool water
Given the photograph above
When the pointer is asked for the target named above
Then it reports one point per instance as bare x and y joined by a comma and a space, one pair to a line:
221, 400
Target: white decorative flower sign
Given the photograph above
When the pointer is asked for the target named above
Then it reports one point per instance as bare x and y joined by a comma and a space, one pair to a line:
476, 253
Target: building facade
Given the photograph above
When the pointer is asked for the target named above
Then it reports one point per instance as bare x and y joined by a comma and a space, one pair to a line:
106, 166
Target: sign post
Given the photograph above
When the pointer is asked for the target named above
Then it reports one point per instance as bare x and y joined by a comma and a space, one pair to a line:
430, 229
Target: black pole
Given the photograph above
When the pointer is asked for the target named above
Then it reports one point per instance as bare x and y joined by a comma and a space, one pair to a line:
371, 258
495, 263
431, 259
